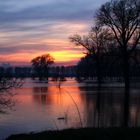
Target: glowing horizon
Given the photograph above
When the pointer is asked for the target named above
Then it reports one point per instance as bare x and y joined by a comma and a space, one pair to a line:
32, 28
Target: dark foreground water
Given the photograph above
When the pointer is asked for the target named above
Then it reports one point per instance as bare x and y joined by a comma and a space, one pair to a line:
42, 106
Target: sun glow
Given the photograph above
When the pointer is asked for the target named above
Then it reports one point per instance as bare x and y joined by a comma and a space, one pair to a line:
60, 56
64, 56
21, 47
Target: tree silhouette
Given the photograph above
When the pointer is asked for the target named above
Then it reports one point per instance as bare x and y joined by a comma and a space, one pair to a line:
41, 64
123, 18
7, 82
96, 44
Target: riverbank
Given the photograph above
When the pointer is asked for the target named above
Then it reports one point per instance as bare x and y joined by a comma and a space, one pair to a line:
83, 133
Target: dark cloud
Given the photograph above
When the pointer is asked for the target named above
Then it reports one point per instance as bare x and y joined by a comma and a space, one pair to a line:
63, 10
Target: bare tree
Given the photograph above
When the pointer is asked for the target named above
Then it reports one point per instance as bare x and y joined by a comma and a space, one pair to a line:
96, 44
6, 97
123, 18
8, 83
6, 101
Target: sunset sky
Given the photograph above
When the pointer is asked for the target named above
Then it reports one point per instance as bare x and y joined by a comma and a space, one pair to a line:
29, 28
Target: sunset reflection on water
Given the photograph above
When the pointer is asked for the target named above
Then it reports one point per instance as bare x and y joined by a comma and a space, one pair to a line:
39, 106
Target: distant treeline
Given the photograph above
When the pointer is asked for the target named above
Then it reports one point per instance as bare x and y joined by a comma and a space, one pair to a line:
56, 71
85, 69
110, 65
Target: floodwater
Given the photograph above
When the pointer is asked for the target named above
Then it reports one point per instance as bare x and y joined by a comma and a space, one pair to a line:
40, 106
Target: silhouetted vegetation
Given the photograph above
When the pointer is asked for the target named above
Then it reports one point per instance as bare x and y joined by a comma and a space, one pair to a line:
41, 65
7, 82
112, 45
123, 19
97, 44
6, 102
112, 40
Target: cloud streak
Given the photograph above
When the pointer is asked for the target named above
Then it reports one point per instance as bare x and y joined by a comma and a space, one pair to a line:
32, 26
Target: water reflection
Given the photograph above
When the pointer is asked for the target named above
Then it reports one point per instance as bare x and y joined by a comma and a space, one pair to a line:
41, 98
60, 103
47, 106
6, 102
98, 108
